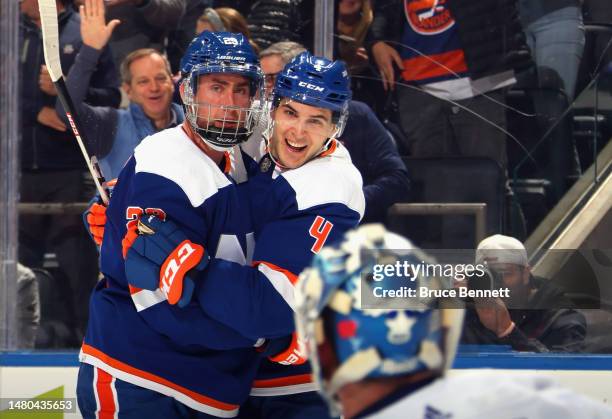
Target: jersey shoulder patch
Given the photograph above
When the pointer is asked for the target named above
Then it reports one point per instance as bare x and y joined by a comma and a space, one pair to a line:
329, 179
172, 155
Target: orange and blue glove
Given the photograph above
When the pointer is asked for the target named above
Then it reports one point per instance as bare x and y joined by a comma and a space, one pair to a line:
94, 219
162, 256
294, 352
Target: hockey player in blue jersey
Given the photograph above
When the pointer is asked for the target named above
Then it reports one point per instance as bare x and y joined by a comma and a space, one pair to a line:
141, 356
389, 362
304, 193
316, 196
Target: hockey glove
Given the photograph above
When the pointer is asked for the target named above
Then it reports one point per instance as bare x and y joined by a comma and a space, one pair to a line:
94, 219
294, 354
161, 256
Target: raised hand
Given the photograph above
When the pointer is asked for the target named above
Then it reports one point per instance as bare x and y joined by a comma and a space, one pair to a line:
95, 32
494, 315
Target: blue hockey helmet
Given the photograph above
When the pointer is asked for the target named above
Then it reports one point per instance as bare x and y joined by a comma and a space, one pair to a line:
316, 81
222, 53
349, 341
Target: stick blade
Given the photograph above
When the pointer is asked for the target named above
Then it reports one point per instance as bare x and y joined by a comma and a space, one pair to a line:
48, 19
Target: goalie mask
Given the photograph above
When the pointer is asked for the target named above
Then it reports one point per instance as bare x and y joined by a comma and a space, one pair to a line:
347, 343
224, 122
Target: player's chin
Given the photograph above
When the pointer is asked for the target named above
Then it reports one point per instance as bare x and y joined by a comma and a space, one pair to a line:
291, 161
293, 158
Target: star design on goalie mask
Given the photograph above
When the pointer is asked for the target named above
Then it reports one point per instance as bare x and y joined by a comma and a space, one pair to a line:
399, 327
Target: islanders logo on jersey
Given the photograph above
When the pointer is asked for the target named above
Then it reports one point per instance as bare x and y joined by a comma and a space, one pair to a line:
428, 17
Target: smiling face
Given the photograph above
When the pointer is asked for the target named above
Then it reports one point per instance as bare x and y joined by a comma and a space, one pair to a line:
150, 85
300, 131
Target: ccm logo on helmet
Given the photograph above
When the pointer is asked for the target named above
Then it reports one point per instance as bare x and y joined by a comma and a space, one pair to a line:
230, 41
310, 86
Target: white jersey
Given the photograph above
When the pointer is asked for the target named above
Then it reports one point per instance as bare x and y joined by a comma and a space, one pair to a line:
489, 394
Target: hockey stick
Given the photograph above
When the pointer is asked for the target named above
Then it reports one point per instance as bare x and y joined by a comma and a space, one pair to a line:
50, 32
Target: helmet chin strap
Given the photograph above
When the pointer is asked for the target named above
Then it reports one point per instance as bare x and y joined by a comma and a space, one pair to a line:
267, 133
201, 141
211, 145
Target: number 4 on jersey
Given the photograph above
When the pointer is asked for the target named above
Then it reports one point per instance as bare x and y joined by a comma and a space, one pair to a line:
319, 230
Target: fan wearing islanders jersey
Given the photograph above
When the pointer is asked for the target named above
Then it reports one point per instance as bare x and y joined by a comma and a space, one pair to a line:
450, 59
147, 352
304, 193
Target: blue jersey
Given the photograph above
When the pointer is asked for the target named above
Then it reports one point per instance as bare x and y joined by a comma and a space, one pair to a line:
135, 335
295, 212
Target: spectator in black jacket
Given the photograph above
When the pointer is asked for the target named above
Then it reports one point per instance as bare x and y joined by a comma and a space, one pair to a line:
53, 169
385, 178
536, 316
373, 151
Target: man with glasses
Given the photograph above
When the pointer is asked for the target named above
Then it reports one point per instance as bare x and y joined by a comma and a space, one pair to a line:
275, 57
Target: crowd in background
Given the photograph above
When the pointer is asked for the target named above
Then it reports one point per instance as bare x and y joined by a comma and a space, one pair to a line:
438, 86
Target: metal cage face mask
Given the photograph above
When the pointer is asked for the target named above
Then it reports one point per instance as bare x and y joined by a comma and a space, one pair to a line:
224, 126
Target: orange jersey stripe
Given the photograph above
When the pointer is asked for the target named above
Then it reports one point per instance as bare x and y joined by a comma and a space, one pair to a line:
107, 408
133, 289
228, 162
90, 350
437, 65
283, 381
